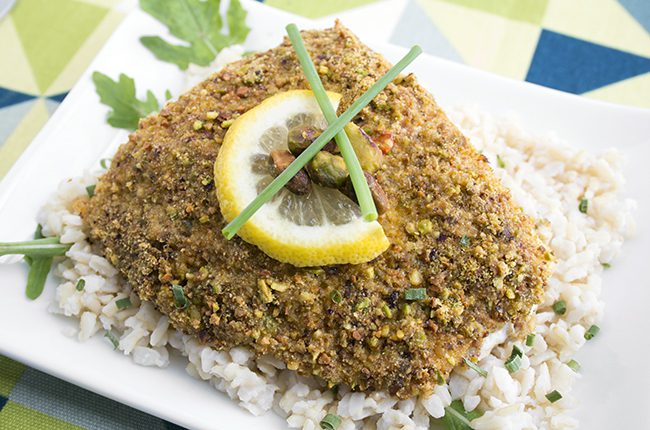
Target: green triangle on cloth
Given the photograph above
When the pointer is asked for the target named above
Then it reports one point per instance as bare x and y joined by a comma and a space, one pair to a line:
52, 31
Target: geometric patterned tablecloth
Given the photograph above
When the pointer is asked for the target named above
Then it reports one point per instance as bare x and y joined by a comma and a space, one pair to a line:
596, 48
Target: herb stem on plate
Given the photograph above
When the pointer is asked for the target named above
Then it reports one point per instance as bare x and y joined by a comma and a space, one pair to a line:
47, 247
281, 180
361, 189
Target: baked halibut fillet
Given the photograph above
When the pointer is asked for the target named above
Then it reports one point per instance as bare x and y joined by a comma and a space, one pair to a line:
453, 228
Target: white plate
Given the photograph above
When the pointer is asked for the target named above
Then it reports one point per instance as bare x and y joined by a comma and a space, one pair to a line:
613, 391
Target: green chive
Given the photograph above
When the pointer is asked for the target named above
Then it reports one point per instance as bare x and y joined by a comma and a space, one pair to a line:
591, 332
606, 265
114, 340
574, 365
81, 283
90, 190
475, 367
415, 294
583, 206
179, 297
105, 163
559, 307
464, 241
367, 205
514, 362
330, 422
281, 180
336, 296
530, 339
554, 396
123, 303
46, 247
362, 304
500, 162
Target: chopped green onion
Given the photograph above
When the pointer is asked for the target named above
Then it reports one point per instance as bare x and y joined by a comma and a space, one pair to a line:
105, 163
415, 294
336, 296
606, 265
554, 396
123, 303
583, 206
364, 197
46, 247
114, 340
530, 339
179, 297
281, 180
591, 332
574, 365
90, 190
81, 283
464, 241
330, 422
475, 367
362, 304
559, 307
513, 363
500, 162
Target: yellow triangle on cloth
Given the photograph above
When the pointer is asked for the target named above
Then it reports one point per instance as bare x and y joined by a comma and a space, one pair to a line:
16, 74
485, 40
632, 92
604, 22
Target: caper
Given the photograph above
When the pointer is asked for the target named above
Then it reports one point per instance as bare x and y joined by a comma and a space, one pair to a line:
328, 170
300, 137
369, 155
300, 183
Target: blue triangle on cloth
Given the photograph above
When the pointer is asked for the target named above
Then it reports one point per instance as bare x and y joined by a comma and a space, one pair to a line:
58, 97
3, 402
640, 10
415, 27
577, 66
9, 97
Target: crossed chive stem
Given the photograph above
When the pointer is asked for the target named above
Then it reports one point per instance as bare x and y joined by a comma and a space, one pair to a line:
334, 130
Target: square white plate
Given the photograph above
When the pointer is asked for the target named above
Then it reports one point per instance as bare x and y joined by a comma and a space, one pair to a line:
613, 391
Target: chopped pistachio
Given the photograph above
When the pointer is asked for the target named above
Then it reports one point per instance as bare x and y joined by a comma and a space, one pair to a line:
510, 294
265, 293
415, 278
227, 123
198, 125
204, 219
278, 286
212, 115
370, 272
405, 309
373, 342
386, 311
411, 229
399, 334
362, 304
425, 226
306, 296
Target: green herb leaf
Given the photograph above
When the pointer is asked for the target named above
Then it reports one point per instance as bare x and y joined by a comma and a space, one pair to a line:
530, 339
112, 338
500, 162
199, 24
559, 307
606, 265
583, 206
457, 418
90, 190
554, 396
105, 163
330, 422
37, 276
415, 294
123, 303
475, 367
179, 297
120, 95
574, 365
591, 332
81, 284
168, 95
336, 296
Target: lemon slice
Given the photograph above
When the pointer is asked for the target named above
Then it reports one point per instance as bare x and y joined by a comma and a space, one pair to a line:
319, 228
